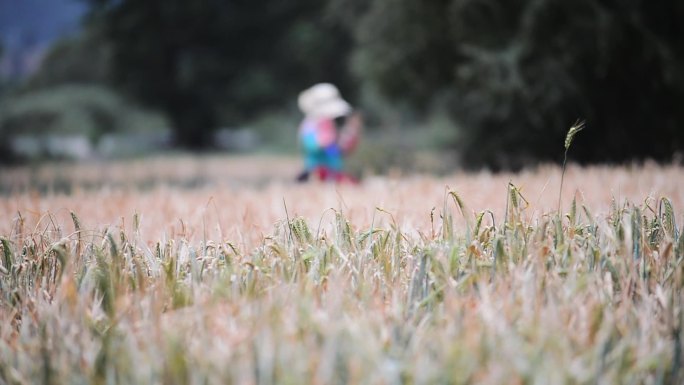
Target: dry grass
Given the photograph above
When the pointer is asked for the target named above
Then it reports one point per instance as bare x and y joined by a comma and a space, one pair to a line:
399, 280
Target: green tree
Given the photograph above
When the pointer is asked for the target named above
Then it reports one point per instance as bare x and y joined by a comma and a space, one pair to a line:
514, 74
210, 62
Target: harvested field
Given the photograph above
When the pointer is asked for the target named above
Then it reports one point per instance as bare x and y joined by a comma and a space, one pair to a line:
221, 270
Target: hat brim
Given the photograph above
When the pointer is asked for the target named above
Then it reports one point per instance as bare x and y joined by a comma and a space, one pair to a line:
330, 109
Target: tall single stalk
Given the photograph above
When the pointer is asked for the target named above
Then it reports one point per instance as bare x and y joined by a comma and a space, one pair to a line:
577, 127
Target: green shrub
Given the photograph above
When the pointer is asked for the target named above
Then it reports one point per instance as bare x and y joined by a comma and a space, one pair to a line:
86, 110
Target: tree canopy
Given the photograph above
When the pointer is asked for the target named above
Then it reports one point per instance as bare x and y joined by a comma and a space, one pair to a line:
210, 62
515, 74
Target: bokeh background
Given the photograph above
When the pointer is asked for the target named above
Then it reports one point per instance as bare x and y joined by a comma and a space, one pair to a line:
443, 84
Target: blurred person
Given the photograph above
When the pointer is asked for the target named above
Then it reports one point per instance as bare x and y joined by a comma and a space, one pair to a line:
329, 132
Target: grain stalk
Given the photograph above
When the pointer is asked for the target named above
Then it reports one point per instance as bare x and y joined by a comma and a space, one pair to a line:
577, 127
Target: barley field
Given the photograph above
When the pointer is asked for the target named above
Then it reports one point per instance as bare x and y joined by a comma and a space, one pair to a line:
220, 270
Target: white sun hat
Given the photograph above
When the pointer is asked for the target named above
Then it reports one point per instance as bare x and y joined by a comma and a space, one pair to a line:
323, 100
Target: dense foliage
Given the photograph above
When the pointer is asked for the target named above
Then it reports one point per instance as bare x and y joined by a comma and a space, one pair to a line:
511, 75
515, 74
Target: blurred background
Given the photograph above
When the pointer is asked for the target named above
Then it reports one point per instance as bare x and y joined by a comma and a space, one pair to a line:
443, 84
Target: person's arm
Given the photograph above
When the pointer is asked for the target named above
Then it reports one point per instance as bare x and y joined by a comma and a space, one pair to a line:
351, 132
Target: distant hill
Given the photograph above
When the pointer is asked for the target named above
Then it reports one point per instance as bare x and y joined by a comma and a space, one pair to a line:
28, 27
